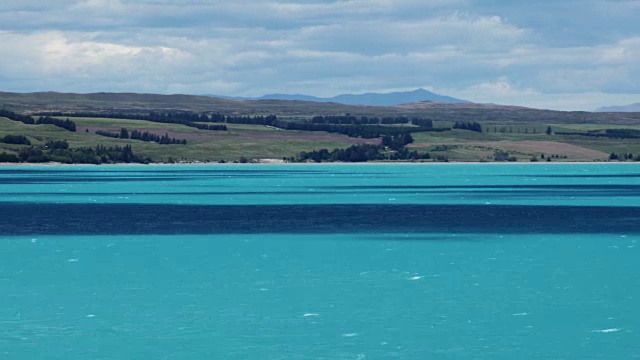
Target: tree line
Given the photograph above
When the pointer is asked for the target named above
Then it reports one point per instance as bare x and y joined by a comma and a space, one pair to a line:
164, 139
365, 120
214, 127
352, 130
268, 120
186, 118
391, 148
355, 131
397, 141
471, 126
609, 133
624, 157
143, 136
65, 124
16, 140
357, 153
25, 119
504, 129
29, 120
59, 151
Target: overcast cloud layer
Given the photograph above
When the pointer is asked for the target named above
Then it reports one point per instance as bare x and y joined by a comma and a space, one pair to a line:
559, 54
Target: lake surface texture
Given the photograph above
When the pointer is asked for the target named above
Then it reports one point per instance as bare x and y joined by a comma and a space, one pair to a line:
320, 262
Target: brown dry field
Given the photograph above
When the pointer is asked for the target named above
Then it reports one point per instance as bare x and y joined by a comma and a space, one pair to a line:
529, 146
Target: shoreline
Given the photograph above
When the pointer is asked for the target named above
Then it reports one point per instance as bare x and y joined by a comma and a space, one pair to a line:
54, 164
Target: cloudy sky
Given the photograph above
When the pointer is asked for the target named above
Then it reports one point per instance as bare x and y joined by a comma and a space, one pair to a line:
558, 54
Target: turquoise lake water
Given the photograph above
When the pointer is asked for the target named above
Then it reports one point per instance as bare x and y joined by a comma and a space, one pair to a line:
448, 261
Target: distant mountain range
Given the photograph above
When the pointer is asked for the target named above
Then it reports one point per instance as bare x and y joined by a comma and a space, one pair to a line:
623, 108
374, 99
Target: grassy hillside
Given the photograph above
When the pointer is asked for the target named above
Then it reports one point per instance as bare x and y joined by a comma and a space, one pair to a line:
518, 132
250, 141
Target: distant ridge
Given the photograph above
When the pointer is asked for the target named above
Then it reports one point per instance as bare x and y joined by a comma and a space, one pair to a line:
373, 99
623, 108
29, 103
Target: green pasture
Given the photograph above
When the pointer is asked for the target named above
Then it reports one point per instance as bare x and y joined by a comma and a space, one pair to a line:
259, 141
228, 147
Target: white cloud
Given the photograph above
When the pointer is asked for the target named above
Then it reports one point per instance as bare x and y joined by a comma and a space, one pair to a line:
55, 55
502, 91
249, 47
501, 88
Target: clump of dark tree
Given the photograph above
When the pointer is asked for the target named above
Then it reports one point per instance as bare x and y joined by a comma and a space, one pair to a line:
623, 133
425, 123
269, 120
405, 154
398, 141
108, 134
16, 140
147, 136
354, 153
214, 127
356, 131
65, 124
358, 153
609, 133
56, 145
624, 157
8, 158
186, 118
143, 136
25, 119
392, 148
59, 151
29, 120
474, 126
553, 156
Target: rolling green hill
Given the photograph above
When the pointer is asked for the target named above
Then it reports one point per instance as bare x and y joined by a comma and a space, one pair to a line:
507, 132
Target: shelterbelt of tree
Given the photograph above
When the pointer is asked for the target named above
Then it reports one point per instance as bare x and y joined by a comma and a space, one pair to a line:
463, 112
59, 151
26, 119
336, 124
